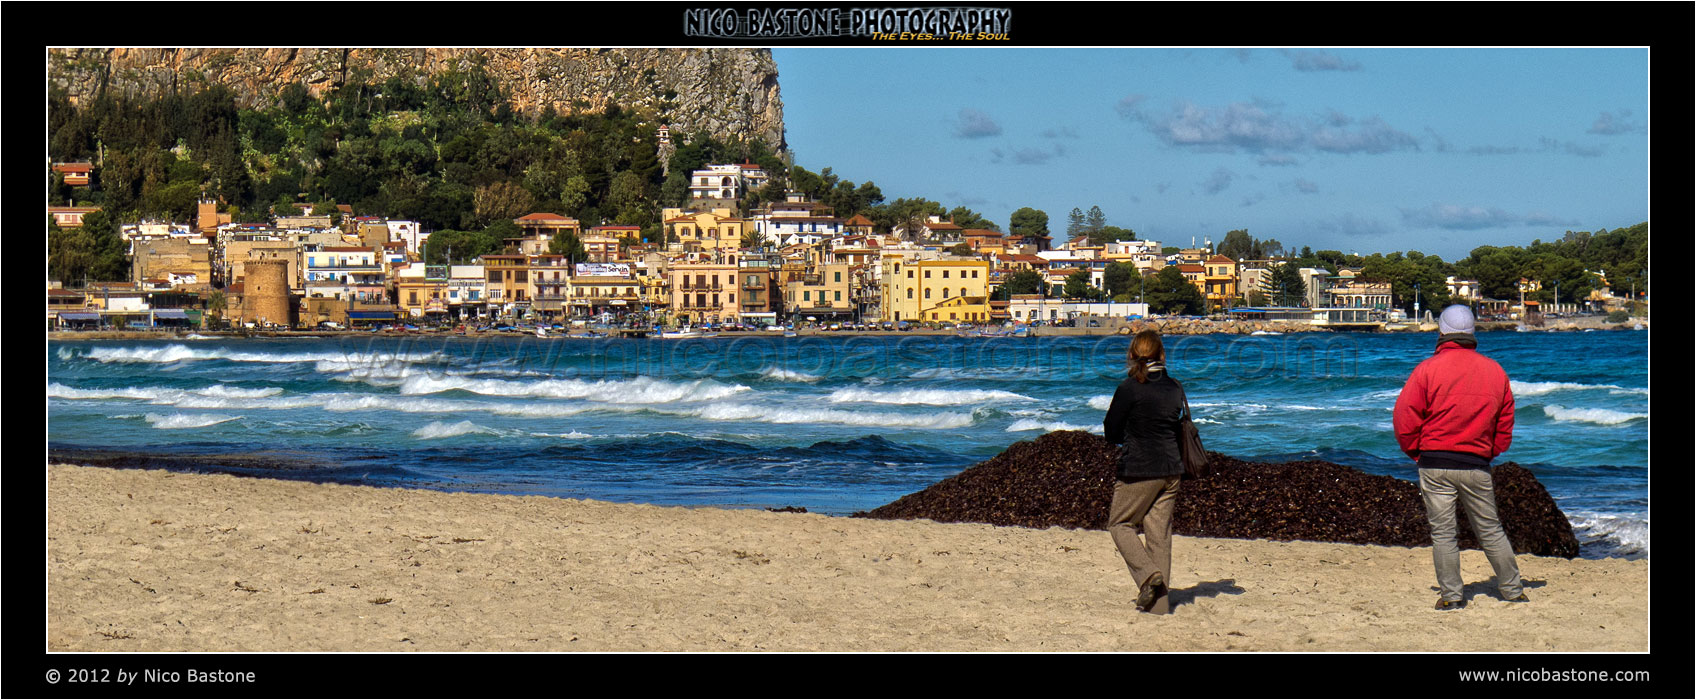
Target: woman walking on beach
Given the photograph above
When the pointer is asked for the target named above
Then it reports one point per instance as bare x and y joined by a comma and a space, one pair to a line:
1145, 417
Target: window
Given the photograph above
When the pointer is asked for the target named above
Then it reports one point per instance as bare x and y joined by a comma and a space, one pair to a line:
909, 292
839, 276
839, 296
412, 298
944, 274
945, 292
927, 292
909, 274
974, 274
927, 274
806, 296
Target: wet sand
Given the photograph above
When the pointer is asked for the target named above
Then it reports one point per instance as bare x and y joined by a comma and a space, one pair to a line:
142, 560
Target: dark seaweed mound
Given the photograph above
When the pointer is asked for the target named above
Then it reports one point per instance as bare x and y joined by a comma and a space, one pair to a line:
1066, 479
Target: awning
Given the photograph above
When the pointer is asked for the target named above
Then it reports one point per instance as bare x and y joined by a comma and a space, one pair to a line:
78, 316
370, 315
170, 313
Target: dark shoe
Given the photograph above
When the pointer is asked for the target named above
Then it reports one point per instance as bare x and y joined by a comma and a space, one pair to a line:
1151, 590
1450, 604
1520, 599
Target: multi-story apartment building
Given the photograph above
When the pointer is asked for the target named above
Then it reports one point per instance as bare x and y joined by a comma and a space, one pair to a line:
797, 219
936, 290
507, 284
467, 295
755, 282
421, 290
352, 273
1219, 282
727, 182
550, 283
604, 289
707, 231
704, 291
602, 242
820, 291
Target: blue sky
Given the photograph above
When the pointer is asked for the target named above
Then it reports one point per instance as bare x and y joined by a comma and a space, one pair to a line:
1362, 150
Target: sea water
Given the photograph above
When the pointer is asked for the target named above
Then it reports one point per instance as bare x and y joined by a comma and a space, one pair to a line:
831, 424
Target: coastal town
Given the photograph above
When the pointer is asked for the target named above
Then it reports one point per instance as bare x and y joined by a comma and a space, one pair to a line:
720, 266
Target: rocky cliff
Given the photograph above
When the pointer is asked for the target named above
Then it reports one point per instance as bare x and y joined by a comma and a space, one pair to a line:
726, 92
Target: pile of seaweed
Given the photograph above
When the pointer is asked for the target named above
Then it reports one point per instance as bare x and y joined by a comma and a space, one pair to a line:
1066, 479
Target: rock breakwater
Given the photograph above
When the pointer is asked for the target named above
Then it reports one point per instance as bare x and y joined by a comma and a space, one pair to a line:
1066, 478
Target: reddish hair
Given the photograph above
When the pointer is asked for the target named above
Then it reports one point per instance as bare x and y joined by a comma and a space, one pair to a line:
1146, 349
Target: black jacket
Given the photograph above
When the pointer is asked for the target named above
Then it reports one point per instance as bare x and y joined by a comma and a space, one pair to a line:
1145, 418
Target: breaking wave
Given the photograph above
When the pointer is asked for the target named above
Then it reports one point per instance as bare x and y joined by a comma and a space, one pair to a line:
927, 397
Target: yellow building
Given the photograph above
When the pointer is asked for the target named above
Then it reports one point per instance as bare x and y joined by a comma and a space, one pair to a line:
703, 292
708, 230
1219, 282
936, 290
819, 291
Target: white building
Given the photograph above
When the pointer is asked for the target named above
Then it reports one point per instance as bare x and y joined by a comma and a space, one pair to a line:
726, 181
1034, 307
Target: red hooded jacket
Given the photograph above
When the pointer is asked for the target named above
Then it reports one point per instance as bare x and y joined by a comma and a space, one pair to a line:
1457, 400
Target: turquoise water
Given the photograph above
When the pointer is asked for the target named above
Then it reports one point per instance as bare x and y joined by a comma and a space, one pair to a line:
833, 424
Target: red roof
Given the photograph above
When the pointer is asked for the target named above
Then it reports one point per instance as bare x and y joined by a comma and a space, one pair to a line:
544, 216
1191, 268
73, 167
943, 226
858, 220
1220, 259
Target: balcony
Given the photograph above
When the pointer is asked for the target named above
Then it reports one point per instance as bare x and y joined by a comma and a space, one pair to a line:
709, 288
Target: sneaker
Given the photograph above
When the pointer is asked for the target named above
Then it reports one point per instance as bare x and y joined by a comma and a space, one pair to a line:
1450, 604
1151, 591
1520, 599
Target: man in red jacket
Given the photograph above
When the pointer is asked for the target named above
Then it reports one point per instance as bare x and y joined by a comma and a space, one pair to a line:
1455, 415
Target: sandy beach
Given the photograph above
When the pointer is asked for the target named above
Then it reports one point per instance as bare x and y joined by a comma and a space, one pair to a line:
157, 561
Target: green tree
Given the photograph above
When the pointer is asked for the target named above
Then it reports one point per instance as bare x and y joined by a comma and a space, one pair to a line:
1238, 245
1078, 286
1120, 278
961, 249
1170, 293
1075, 223
1109, 234
567, 243
1023, 282
1095, 220
1286, 286
1027, 222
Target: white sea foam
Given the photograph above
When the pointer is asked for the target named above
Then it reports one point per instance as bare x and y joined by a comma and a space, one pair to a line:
1540, 388
177, 421
927, 397
178, 353
785, 415
438, 429
1614, 534
1599, 416
573, 435
786, 375
1025, 424
216, 396
1101, 403
642, 390
233, 392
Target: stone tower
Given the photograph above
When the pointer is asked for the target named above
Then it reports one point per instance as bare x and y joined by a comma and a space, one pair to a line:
266, 294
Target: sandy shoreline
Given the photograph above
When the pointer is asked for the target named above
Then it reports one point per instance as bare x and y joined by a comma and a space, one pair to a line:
157, 561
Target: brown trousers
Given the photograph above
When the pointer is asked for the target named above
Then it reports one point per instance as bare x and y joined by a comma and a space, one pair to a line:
1145, 505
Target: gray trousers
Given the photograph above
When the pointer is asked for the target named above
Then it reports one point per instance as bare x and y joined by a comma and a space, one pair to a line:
1476, 492
1145, 505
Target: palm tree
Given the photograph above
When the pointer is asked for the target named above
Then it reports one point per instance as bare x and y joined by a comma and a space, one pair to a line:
216, 303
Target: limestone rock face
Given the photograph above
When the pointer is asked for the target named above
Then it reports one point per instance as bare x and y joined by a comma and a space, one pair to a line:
724, 91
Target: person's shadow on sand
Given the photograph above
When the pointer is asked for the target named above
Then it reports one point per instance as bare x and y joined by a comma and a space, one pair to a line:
1487, 588
1206, 589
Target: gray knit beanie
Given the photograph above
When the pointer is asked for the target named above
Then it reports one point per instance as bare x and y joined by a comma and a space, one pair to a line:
1457, 318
